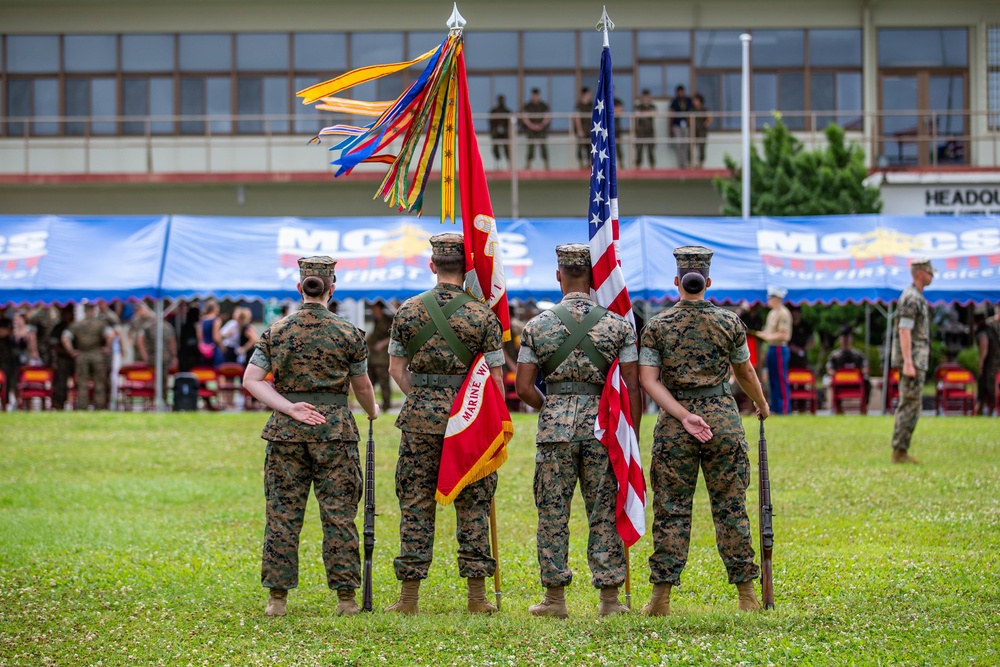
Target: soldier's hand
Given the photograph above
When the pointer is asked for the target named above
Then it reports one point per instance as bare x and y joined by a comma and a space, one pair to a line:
377, 413
306, 413
909, 370
763, 412
697, 427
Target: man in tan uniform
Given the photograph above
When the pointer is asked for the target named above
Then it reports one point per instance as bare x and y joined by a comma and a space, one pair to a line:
777, 332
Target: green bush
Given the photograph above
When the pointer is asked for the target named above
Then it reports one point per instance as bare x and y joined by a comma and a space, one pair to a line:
969, 360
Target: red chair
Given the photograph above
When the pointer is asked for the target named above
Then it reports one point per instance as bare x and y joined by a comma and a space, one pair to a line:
35, 382
136, 382
892, 395
802, 384
230, 381
207, 377
3, 392
848, 384
954, 390
510, 392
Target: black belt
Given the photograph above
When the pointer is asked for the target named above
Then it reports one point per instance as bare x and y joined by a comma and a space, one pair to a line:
573, 388
316, 397
439, 380
702, 392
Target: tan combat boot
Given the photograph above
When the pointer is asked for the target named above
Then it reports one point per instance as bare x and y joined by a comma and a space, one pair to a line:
408, 597
553, 605
748, 598
610, 604
346, 604
478, 604
902, 456
276, 604
659, 602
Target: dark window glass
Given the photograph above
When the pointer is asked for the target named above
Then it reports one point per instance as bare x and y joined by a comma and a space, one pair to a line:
307, 119
93, 101
249, 101
549, 50
262, 52
142, 98
376, 48
260, 97
90, 53
718, 48
419, 43
592, 43
161, 104
276, 101
46, 104
849, 101
104, 106
765, 98
651, 78
32, 54
77, 94
823, 92
491, 50
219, 104
777, 48
722, 94
192, 104
784, 93
923, 48
792, 99
147, 53
135, 104
18, 105
320, 52
834, 48
206, 53
479, 96
663, 44
206, 96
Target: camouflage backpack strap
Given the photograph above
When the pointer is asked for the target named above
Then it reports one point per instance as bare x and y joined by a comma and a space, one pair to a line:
439, 324
577, 339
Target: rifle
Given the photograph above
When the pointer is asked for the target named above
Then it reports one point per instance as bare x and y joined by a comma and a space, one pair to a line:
766, 528
369, 530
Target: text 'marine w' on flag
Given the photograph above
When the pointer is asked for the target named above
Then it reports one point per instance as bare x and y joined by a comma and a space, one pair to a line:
614, 418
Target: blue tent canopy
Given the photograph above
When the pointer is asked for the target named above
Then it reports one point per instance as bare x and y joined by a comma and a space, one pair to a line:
827, 259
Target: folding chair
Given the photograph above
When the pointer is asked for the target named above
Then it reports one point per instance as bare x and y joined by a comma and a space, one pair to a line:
35, 382
802, 385
230, 382
136, 382
848, 384
206, 378
954, 391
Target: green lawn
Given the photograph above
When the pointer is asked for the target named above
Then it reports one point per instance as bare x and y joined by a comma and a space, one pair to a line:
135, 539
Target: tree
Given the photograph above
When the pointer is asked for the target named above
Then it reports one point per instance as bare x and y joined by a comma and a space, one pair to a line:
791, 181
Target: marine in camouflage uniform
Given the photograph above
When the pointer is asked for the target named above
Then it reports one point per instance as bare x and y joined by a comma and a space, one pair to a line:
314, 356
88, 341
567, 450
911, 356
378, 350
430, 377
689, 350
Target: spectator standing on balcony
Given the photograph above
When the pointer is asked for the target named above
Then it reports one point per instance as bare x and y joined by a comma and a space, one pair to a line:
680, 126
702, 120
500, 130
645, 111
777, 332
536, 124
581, 127
911, 353
988, 342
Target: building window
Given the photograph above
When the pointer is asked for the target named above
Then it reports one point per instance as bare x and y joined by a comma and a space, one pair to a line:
718, 59
90, 54
835, 78
778, 58
148, 53
203, 97
923, 48
993, 74
93, 102
146, 98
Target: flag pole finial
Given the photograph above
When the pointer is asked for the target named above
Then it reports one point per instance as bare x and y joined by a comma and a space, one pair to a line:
605, 24
456, 21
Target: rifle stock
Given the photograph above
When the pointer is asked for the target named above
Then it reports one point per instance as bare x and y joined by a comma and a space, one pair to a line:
369, 528
766, 527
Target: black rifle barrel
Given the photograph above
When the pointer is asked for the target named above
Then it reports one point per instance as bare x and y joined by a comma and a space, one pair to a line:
766, 527
369, 529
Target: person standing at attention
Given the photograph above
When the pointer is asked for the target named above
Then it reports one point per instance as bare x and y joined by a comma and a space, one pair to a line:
777, 332
429, 363
312, 437
911, 353
688, 353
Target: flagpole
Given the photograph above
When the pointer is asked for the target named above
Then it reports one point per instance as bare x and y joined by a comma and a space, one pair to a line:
495, 545
745, 118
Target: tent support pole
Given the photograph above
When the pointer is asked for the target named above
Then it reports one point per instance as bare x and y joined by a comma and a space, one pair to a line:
890, 332
158, 368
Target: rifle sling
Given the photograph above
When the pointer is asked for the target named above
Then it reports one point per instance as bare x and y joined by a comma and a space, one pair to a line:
577, 339
439, 324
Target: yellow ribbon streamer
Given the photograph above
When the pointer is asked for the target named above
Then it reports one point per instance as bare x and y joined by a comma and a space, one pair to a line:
347, 80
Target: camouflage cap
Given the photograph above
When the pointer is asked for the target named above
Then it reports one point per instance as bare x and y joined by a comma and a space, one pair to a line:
321, 266
922, 263
573, 254
449, 243
693, 257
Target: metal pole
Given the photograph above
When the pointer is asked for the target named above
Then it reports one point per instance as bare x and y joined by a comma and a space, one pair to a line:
158, 368
890, 332
745, 107
512, 145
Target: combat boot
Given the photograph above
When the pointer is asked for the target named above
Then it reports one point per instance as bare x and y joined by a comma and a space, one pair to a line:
478, 604
902, 456
346, 604
748, 597
610, 604
409, 594
553, 605
659, 602
276, 603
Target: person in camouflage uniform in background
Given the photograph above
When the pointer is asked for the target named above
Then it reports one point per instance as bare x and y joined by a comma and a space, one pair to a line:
911, 352
686, 353
378, 350
566, 447
88, 342
312, 437
429, 374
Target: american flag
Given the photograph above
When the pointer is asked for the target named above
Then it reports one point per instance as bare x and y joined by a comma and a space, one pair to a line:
614, 420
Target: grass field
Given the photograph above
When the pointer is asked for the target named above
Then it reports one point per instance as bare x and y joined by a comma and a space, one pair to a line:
130, 539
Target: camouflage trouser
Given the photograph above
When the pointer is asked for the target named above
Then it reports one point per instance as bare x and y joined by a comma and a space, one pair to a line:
558, 465
333, 469
908, 411
91, 366
64, 367
673, 477
379, 375
416, 484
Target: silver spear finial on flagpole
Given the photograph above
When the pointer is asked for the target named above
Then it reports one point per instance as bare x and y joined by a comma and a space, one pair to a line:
456, 21
604, 25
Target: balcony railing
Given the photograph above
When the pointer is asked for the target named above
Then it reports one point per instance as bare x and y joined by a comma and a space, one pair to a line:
242, 144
